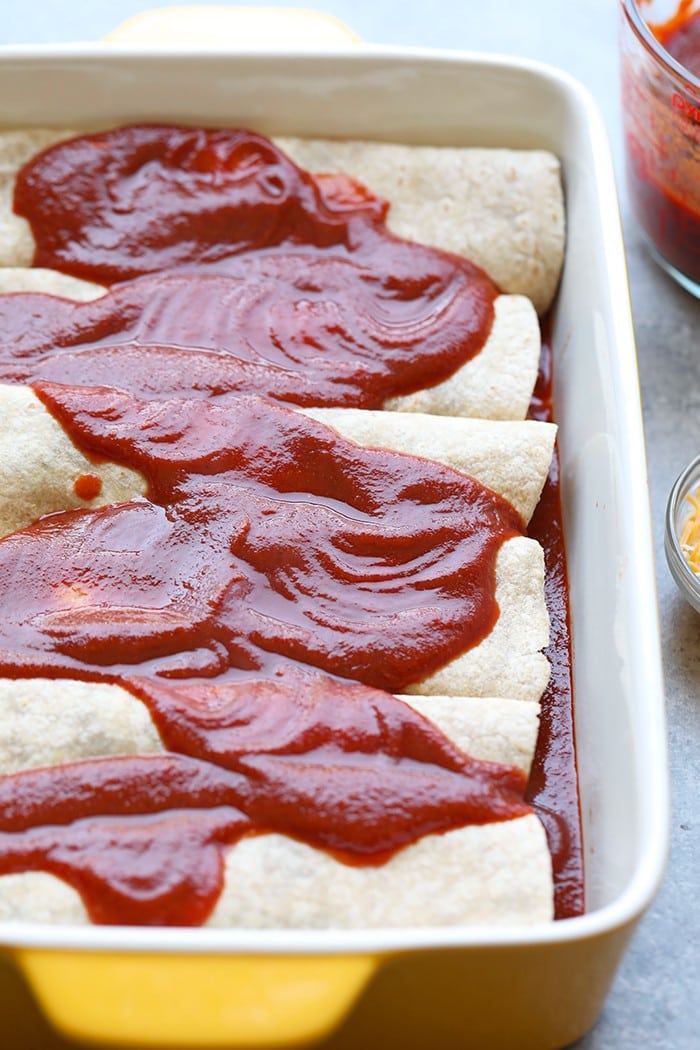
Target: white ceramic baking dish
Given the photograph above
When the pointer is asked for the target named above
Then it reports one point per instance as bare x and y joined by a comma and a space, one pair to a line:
469, 987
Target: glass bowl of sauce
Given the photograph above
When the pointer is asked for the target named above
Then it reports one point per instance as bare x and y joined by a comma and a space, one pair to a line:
682, 535
660, 70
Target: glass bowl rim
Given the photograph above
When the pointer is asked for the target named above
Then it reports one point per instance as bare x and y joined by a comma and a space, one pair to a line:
650, 43
681, 571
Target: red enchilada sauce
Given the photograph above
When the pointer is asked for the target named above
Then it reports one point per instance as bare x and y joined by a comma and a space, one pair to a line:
336, 765
310, 330
87, 486
359, 562
272, 561
146, 198
662, 126
294, 289
681, 37
552, 788
264, 532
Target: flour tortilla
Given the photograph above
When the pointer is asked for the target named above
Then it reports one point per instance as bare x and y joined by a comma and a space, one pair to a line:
492, 874
509, 661
45, 722
511, 457
50, 282
39, 464
508, 204
16, 148
496, 873
503, 209
495, 384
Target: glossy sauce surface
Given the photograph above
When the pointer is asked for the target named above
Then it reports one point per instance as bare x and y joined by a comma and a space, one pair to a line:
308, 329
146, 198
269, 555
264, 531
552, 787
87, 486
336, 765
271, 562
295, 287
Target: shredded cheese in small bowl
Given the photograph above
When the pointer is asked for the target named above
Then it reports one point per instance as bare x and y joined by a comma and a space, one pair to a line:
682, 538
690, 532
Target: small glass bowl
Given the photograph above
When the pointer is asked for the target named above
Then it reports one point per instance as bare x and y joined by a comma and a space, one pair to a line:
677, 511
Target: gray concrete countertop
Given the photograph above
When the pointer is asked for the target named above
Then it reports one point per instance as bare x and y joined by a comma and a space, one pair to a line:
654, 1001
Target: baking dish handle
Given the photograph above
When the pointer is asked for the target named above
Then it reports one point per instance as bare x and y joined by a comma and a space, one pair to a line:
180, 1000
238, 28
